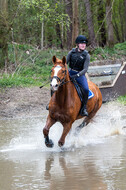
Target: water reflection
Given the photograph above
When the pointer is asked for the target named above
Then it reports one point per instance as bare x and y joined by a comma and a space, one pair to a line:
95, 160
100, 166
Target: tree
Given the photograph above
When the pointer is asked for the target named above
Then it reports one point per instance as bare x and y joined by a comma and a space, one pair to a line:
101, 24
50, 14
110, 33
90, 25
75, 22
42, 8
4, 30
69, 11
125, 19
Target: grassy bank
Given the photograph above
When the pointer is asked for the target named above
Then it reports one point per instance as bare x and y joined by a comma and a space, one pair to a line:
29, 66
122, 99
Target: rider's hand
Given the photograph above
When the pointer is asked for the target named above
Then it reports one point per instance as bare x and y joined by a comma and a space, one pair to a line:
74, 76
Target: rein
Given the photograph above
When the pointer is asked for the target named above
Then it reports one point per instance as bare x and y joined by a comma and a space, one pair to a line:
59, 85
65, 82
62, 82
47, 82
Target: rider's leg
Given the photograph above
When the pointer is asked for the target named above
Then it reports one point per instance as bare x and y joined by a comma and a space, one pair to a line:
83, 82
84, 108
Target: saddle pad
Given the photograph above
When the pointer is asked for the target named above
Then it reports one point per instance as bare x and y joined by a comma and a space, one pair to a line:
90, 95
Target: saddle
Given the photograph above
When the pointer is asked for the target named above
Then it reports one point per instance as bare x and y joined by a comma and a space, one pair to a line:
81, 92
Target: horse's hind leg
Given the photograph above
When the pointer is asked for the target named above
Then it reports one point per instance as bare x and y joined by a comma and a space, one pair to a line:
49, 123
82, 125
86, 120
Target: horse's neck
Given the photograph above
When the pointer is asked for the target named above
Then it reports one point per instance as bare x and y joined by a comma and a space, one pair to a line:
60, 95
65, 92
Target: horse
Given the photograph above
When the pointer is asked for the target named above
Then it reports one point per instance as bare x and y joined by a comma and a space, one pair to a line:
65, 104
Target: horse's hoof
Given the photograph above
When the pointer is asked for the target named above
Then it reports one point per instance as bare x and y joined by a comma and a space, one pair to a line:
49, 144
60, 144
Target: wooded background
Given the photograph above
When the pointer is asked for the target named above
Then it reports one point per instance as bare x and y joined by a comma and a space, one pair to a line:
56, 23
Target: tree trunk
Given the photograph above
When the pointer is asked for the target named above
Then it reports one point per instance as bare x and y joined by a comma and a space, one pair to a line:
75, 23
90, 25
110, 34
3, 32
101, 24
116, 30
69, 30
59, 33
125, 20
122, 23
42, 31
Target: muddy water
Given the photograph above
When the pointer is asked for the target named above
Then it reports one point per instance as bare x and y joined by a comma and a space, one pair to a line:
93, 160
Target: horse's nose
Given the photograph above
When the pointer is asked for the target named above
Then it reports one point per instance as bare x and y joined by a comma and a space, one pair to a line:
56, 85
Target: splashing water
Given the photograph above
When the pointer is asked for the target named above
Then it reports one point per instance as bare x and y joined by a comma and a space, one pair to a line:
26, 134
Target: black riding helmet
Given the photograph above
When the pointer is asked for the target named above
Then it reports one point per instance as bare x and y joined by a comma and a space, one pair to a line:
81, 39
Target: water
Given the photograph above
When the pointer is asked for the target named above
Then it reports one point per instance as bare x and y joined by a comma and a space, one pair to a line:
93, 160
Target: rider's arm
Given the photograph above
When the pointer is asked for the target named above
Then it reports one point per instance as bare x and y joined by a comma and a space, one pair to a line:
86, 64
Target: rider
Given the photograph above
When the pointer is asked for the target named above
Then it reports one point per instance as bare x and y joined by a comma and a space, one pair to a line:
78, 60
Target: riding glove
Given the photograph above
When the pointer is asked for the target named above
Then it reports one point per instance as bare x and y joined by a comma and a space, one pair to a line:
75, 76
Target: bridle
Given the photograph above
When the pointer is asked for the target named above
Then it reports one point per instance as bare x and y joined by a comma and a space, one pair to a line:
60, 81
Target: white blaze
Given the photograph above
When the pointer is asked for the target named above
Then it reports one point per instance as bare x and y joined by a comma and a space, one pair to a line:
56, 70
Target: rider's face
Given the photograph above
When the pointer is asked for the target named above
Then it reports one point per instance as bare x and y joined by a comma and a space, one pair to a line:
82, 46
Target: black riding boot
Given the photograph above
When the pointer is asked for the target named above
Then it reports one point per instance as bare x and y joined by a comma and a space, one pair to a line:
47, 107
83, 111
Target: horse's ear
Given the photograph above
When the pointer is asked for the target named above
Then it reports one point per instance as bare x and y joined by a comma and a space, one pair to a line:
54, 59
64, 60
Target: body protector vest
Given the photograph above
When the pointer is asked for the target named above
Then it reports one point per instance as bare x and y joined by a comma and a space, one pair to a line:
77, 59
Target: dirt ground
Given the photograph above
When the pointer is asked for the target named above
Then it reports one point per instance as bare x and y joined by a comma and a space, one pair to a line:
23, 102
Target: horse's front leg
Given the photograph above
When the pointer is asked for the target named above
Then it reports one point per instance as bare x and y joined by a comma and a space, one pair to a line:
66, 129
49, 123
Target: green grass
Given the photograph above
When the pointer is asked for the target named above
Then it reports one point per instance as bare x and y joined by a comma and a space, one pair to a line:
117, 52
17, 81
28, 66
122, 99
31, 67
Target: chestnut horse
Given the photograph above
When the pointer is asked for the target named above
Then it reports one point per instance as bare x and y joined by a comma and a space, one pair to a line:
65, 103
